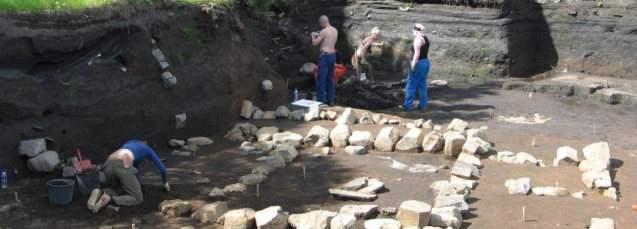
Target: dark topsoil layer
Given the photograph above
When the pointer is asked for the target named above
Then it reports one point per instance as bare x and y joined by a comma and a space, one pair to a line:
97, 107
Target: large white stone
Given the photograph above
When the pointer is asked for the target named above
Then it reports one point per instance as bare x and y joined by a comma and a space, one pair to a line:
313, 114
168, 80
411, 141
282, 112
446, 217
525, 158
297, 115
356, 150
319, 219
602, 223
252, 179
265, 133
176, 143
457, 125
340, 135
199, 141
386, 139
46, 161
264, 146
382, 224
269, 115
258, 114
32, 147
247, 109
360, 211
592, 165
549, 191
355, 184
331, 115
318, 136
348, 117
373, 186
247, 129
286, 151
234, 135
457, 201
478, 133
238, 219
610, 193
274, 161
471, 184
236, 188
506, 157
414, 213
446, 188
181, 120
597, 179
366, 119
453, 143
520, 186
343, 221
287, 137
271, 218
267, 85
475, 145
360, 138
597, 151
470, 159
209, 213
433, 142
597, 156
463, 169
174, 208
565, 155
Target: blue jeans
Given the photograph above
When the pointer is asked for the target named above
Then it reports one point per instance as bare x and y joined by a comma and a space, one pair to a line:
325, 79
417, 82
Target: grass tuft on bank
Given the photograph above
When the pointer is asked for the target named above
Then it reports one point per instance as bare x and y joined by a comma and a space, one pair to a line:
36, 6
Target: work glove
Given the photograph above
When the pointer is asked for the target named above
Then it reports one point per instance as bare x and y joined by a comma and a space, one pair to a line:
166, 187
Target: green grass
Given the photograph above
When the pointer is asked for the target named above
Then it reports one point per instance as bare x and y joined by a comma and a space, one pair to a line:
34, 6
52, 5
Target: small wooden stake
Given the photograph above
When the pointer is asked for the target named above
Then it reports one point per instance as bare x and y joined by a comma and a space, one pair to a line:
304, 172
523, 213
257, 191
533, 143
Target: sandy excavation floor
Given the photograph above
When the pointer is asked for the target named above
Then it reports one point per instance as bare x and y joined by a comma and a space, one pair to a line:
572, 123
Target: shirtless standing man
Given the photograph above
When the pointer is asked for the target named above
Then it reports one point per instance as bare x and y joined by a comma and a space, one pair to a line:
326, 39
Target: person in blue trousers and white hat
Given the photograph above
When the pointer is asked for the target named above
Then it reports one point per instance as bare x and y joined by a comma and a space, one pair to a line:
418, 70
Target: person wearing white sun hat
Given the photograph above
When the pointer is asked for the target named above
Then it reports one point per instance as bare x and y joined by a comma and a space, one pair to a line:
418, 70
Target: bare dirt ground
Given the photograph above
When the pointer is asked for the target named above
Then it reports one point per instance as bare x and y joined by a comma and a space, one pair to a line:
572, 123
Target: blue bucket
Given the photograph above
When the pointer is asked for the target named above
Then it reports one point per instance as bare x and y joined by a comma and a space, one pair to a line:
60, 191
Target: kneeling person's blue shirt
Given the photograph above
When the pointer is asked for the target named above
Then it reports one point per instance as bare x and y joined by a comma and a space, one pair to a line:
142, 151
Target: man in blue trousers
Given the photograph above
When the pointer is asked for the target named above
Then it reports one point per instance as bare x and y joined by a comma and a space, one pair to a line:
326, 39
418, 71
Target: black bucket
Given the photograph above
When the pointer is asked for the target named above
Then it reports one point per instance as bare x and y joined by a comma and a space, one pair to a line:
88, 181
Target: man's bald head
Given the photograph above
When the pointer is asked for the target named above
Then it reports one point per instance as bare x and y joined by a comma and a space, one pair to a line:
324, 21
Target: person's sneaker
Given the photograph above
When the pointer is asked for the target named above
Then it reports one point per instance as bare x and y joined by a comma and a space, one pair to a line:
102, 202
402, 107
92, 200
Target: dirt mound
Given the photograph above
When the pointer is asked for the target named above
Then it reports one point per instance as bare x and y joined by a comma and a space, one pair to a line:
98, 85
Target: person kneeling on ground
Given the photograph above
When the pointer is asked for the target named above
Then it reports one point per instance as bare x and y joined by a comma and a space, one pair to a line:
119, 174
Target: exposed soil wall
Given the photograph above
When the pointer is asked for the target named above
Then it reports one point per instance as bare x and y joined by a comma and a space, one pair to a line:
488, 38
95, 85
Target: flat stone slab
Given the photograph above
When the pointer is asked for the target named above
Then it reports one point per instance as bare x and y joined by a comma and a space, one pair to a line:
353, 195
